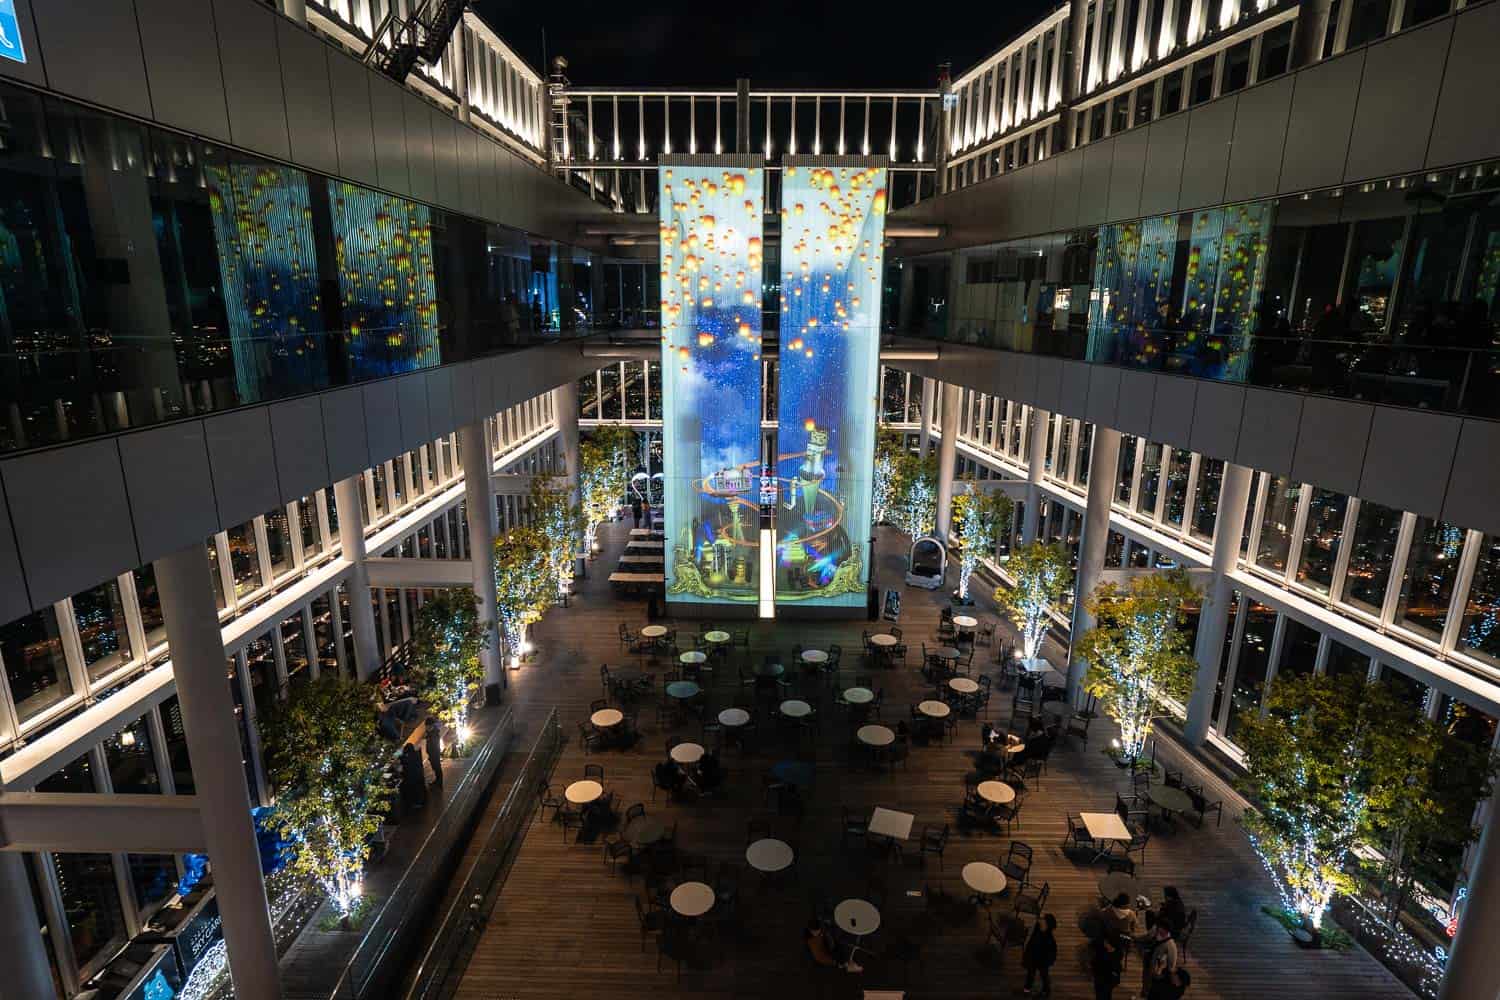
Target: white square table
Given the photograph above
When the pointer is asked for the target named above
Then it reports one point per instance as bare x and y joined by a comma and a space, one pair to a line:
890, 823
1103, 827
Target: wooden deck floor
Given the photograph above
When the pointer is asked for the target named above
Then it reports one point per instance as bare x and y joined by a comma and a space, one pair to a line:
565, 926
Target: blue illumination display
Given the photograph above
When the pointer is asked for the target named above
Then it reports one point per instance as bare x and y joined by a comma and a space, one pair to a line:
711, 253
832, 231
10, 33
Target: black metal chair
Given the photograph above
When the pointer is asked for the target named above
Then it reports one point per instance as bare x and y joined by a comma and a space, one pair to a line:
1203, 807
934, 841
589, 737
615, 848
545, 800
652, 920
1030, 899
1078, 835
854, 827
1017, 863
594, 772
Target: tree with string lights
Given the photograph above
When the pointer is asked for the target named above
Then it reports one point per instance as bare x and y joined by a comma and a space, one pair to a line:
1325, 764
559, 521
977, 517
447, 640
603, 474
1043, 577
1138, 656
914, 510
889, 447
324, 757
524, 584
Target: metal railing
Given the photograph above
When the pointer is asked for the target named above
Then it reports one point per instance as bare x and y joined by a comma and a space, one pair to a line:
380, 959
443, 967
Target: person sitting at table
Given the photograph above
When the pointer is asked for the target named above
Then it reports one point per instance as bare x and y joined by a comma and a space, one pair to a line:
1119, 917
824, 950
710, 772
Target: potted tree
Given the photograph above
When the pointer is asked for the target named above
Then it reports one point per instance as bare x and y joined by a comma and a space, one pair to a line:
560, 522
446, 642
915, 495
1137, 655
524, 585
977, 518
324, 757
1042, 578
604, 472
889, 447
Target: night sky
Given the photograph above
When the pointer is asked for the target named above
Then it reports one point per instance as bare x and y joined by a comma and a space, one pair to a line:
775, 44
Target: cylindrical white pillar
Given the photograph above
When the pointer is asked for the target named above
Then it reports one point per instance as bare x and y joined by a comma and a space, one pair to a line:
296, 10
1213, 619
1472, 971
565, 405
947, 458
192, 621
929, 393
479, 501
27, 974
1036, 463
367, 658
1104, 458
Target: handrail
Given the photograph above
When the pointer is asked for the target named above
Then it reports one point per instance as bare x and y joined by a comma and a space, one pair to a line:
374, 964
444, 964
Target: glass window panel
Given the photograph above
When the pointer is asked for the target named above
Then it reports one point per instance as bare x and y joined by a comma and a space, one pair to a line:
1372, 275
154, 877
1478, 634
244, 560
610, 398
1407, 688
1320, 539
1178, 471
278, 542
132, 768
1085, 452
1376, 531
1140, 556
1250, 671
1276, 518
215, 575
1064, 449
1465, 722
1114, 550
1344, 660
1224, 654
312, 534
322, 616
395, 479
91, 900
378, 482
1299, 649
294, 647
393, 618
346, 617
149, 601
177, 748
1427, 586
1206, 498
34, 663
333, 519
260, 662
653, 388
1124, 481
100, 614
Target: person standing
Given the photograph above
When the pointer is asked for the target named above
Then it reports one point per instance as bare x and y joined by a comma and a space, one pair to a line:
1159, 965
1107, 954
1040, 953
635, 510
434, 739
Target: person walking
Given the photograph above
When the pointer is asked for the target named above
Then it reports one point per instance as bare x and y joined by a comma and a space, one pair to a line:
434, 739
1040, 953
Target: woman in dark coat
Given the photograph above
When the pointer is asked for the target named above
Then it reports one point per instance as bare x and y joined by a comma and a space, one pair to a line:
1040, 953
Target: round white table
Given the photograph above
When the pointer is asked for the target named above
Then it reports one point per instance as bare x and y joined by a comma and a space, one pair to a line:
581, 793
682, 690
984, 878
814, 656
875, 736
965, 621
733, 717
857, 917
687, 753
1015, 747
716, 636
794, 708
997, 792
859, 696
934, 709
963, 685
654, 632
945, 653
694, 656
692, 899
607, 718
769, 855
883, 639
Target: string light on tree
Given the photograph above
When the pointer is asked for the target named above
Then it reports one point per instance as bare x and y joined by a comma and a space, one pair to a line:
1043, 577
976, 519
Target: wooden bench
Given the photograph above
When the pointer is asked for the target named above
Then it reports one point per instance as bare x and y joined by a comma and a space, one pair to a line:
655, 560
645, 545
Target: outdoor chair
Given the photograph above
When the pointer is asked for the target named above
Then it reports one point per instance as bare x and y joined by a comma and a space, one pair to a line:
1203, 807
934, 841
1010, 813
854, 827
589, 737
1186, 934
1031, 899
1078, 725
594, 772
615, 848
652, 920
1017, 863
1078, 835
986, 634
1173, 779
1139, 838
545, 800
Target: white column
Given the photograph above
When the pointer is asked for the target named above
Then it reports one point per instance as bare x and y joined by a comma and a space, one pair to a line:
1213, 620
296, 10
929, 392
367, 658
565, 406
187, 605
1472, 970
479, 501
27, 974
947, 456
459, 43
1104, 458
1036, 462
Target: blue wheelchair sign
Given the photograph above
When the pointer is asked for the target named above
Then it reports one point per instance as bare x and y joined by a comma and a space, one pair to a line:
10, 33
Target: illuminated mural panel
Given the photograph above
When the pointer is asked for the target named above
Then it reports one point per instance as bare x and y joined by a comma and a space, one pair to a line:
832, 230
711, 210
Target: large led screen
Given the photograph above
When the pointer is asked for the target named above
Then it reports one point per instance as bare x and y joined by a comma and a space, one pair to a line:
832, 228
710, 307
